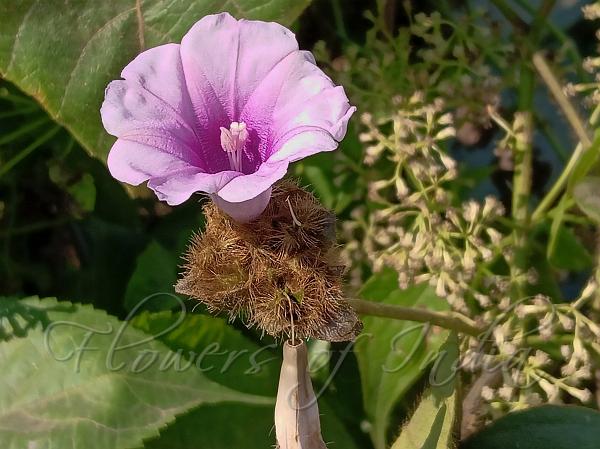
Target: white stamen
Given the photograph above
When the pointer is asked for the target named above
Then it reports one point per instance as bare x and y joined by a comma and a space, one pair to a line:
232, 142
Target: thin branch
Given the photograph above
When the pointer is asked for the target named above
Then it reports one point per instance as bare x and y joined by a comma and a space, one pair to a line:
556, 90
447, 320
576, 123
511, 15
28, 150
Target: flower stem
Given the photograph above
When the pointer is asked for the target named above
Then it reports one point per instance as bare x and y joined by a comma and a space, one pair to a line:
543, 69
522, 156
28, 150
558, 186
338, 18
34, 227
447, 320
510, 15
576, 123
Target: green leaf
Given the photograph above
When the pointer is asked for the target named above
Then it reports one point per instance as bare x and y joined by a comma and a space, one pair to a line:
547, 427
545, 281
174, 230
564, 249
586, 163
151, 284
233, 359
245, 426
568, 253
392, 355
236, 362
320, 180
557, 220
107, 253
65, 56
90, 380
219, 426
587, 197
81, 187
432, 424
84, 192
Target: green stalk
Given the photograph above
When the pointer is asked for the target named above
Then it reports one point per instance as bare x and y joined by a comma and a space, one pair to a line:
511, 15
577, 124
555, 88
34, 227
28, 150
523, 155
22, 130
338, 18
523, 150
447, 320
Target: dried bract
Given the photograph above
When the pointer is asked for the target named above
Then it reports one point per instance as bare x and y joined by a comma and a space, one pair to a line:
277, 271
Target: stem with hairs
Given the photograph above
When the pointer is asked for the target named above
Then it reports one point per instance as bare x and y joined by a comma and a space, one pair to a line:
448, 320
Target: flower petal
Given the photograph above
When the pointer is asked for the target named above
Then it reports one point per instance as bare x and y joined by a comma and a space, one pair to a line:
246, 210
131, 112
177, 187
246, 187
296, 96
150, 111
134, 162
160, 72
323, 105
303, 142
227, 59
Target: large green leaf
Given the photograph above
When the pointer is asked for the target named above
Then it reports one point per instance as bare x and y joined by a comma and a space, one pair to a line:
219, 426
65, 54
547, 427
81, 378
233, 359
245, 426
433, 422
392, 355
237, 362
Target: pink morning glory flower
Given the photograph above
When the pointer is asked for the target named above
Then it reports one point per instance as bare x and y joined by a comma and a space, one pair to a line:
224, 113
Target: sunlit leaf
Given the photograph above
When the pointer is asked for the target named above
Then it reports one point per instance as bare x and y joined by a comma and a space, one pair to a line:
392, 355
432, 424
82, 378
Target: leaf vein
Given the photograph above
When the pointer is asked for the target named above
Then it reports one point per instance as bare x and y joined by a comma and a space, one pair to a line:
140, 20
18, 35
83, 52
176, 24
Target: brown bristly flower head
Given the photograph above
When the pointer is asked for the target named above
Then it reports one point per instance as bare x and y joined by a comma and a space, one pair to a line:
278, 270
